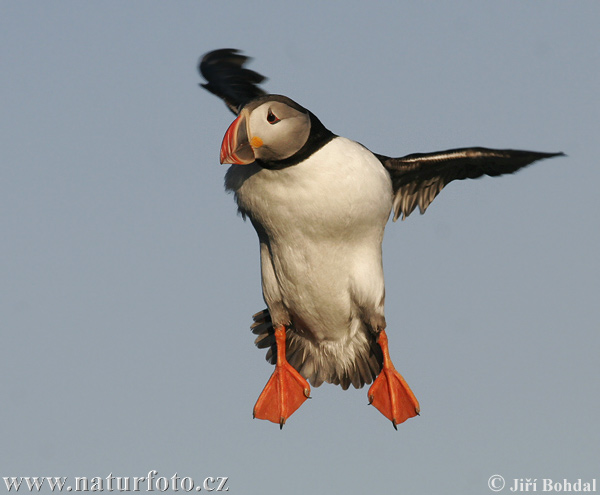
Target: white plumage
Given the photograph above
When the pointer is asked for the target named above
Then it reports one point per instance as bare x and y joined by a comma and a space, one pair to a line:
320, 226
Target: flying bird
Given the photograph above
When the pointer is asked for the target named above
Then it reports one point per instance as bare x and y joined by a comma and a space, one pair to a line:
319, 203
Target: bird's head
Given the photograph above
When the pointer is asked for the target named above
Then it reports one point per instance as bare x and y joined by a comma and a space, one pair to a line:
270, 129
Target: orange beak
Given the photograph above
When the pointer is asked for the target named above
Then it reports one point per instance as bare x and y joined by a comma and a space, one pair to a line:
236, 148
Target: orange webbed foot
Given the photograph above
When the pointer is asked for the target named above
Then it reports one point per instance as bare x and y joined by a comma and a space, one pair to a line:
285, 391
390, 393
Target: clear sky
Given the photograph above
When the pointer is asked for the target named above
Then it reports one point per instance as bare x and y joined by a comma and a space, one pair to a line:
127, 281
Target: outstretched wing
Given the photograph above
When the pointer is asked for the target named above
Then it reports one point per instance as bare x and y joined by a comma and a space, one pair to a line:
419, 178
228, 79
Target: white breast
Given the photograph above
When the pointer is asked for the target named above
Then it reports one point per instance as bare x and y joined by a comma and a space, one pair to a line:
322, 222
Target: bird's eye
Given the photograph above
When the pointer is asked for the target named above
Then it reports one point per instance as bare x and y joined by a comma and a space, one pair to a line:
272, 118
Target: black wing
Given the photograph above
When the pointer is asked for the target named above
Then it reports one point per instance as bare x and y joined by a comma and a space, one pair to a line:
228, 79
419, 178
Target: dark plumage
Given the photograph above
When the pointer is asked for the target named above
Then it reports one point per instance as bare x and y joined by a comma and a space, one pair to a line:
419, 177
228, 79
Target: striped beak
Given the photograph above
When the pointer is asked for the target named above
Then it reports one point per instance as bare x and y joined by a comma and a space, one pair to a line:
236, 148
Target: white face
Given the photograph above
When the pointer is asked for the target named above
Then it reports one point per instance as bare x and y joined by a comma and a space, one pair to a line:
276, 131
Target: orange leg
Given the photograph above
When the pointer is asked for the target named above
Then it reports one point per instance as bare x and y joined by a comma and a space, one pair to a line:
389, 392
285, 391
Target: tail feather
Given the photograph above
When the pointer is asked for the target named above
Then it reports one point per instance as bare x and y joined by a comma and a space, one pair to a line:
318, 363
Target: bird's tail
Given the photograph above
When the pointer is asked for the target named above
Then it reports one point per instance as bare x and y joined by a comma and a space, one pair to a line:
357, 363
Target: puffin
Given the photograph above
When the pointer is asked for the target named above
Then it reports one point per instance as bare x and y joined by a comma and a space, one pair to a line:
319, 203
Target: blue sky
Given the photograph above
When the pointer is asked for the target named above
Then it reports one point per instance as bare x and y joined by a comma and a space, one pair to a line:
128, 280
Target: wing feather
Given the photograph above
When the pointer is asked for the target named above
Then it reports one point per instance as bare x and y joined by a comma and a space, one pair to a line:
418, 178
228, 79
